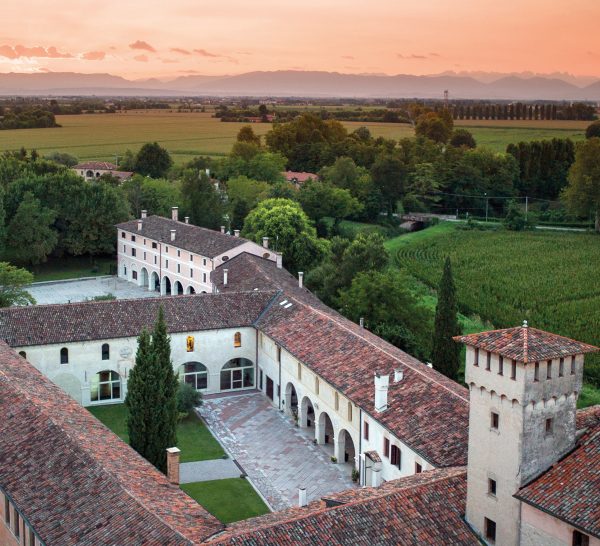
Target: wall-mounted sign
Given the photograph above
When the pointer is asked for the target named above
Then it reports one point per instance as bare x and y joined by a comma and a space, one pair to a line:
190, 344
125, 352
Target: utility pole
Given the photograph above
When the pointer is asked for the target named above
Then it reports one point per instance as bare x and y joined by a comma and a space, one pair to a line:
486, 206
526, 206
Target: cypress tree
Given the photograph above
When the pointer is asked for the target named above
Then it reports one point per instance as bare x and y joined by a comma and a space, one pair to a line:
445, 355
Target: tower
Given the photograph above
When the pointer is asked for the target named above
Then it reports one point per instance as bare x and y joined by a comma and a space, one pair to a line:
523, 385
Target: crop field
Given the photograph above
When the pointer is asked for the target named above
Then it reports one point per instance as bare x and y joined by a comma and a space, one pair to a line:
550, 279
186, 135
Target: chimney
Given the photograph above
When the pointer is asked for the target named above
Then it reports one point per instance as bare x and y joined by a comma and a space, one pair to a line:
361, 322
187, 219
398, 376
173, 465
144, 214
265, 242
139, 225
222, 229
175, 213
225, 276
173, 232
300, 279
302, 497
236, 232
381, 392
279, 258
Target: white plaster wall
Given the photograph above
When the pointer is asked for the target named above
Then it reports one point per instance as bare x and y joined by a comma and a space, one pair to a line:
213, 348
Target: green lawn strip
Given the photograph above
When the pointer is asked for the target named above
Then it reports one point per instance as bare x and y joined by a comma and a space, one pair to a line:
73, 268
193, 438
229, 500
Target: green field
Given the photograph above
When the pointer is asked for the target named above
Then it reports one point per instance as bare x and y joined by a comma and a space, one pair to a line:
186, 135
228, 500
193, 438
551, 279
74, 267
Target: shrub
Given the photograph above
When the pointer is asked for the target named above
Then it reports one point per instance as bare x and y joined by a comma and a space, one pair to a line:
188, 398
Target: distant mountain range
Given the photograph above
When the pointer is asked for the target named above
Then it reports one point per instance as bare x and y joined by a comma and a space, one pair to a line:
308, 84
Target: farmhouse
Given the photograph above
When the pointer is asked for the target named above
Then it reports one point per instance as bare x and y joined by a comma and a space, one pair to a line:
299, 178
95, 169
530, 476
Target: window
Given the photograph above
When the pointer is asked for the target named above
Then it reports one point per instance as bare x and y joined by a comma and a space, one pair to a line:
204, 277
299, 370
133, 238
418, 468
134, 275
488, 364
490, 530
492, 487
579, 539
125, 270
316, 384
133, 252
500, 365
178, 268
23, 354
155, 260
166, 250
106, 385
513, 369
179, 253
238, 373
561, 367
260, 380
191, 273
194, 374
123, 235
337, 401
124, 249
572, 365
349, 411
549, 369
396, 457
204, 262
191, 257
6, 511
167, 264
495, 421
144, 256
549, 425
105, 351
237, 339
16, 524
536, 372
154, 245
476, 359
386, 447
366, 430
64, 355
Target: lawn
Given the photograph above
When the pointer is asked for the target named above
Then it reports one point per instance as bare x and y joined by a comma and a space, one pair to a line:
186, 135
74, 267
228, 500
193, 438
549, 278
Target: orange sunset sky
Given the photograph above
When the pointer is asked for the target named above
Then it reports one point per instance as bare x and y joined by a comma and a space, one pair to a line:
138, 39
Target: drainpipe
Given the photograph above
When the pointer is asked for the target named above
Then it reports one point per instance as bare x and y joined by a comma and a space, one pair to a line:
361, 472
279, 397
160, 268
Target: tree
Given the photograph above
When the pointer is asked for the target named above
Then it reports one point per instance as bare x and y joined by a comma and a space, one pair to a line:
12, 283
153, 160
515, 218
155, 195
445, 353
246, 134
321, 200
462, 137
388, 173
593, 130
201, 200
152, 397
434, 126
289, 230
582, 195
30, 237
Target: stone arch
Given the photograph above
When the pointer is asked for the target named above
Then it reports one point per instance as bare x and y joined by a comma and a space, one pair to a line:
70, 384
325, 431
307, 413
190, 290
291, 401
345, 450
154, 282
165, 286
194, 374
143, 280
237, 374
177, 288
106, 386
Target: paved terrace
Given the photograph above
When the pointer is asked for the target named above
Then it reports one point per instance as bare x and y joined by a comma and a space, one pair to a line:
277, 456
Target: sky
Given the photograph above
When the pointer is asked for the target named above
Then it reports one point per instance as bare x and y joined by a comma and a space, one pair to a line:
167, 39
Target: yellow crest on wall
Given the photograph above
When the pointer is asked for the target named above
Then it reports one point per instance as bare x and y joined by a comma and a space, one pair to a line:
190, 344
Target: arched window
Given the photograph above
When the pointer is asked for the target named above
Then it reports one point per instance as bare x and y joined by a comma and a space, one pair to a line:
105, 351
64, 355
238, 373
23, 354
106, 385
396, 456
237, 339
89, 174
194, 374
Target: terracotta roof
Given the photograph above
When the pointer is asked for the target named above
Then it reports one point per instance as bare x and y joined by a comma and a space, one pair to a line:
423, 509
199, 240
588, 417
76, 481
63, 323
570, 489
96, 165
426, 410
300, 177
526, 344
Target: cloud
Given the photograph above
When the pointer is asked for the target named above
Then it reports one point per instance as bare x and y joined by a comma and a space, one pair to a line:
169, 61
411, 56
19, 51
189, 72
593, 54
180, 50
434, 55
347, 57
140, 44
141, 58
94, 56
204, 53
